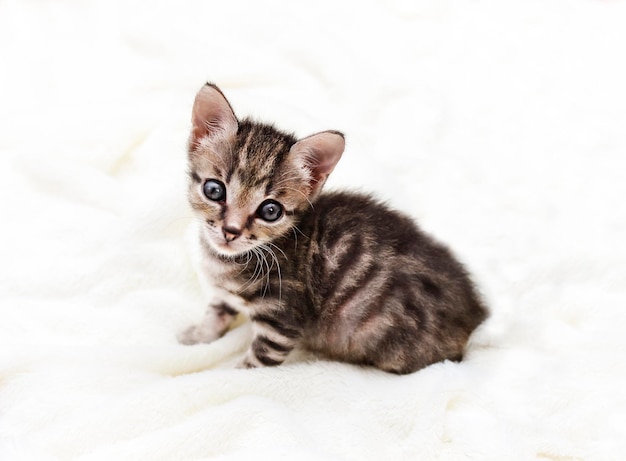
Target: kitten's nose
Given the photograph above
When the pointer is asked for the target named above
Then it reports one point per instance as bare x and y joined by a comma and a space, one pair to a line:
231, 233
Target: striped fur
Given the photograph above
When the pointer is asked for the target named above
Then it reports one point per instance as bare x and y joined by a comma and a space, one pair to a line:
339, 273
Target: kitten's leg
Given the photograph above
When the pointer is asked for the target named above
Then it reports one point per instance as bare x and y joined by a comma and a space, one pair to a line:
272, 342
216, 321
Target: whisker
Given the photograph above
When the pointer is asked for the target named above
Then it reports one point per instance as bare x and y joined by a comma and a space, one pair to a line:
245, 264
301, 233
301, 193
255, 275
268, 248
273, 245
294, 178
267, 277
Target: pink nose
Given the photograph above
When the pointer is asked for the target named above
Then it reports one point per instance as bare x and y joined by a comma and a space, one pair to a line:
231, 233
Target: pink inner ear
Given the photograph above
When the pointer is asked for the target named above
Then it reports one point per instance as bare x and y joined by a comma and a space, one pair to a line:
320, 154
212, 114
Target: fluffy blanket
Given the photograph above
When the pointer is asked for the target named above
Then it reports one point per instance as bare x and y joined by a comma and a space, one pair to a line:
499, 125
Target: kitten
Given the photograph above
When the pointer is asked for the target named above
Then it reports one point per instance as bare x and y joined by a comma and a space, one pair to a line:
338, 273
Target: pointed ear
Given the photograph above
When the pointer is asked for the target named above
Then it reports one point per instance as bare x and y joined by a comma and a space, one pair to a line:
212, 115
319, 153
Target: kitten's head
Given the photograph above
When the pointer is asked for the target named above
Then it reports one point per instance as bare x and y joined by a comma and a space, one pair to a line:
250, 181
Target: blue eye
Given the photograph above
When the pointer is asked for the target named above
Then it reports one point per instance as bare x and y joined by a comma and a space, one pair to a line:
270, 211
215, 190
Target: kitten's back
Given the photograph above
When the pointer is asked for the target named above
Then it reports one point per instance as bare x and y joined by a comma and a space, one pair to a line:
386, 294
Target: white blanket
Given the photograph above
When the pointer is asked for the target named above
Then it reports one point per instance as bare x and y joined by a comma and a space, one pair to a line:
501, 126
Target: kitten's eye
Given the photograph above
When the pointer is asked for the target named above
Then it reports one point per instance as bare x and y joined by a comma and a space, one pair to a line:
215, 190
270, 211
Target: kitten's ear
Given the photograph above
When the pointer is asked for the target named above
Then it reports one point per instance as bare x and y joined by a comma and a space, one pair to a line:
212, 115
319, 153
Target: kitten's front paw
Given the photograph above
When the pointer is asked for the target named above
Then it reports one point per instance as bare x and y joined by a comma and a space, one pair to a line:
245, 364
197, 334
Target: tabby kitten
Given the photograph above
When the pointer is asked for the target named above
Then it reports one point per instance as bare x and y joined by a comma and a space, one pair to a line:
338, 273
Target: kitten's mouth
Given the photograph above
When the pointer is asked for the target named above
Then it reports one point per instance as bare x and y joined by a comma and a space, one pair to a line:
224, 247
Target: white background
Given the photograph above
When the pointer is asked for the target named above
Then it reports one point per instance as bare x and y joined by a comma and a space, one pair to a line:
499, 125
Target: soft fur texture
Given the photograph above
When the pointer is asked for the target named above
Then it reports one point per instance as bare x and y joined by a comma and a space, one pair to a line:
499, 125
339, 274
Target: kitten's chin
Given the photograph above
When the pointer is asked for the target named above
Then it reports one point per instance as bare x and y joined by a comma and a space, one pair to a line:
229, 250
226, 249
